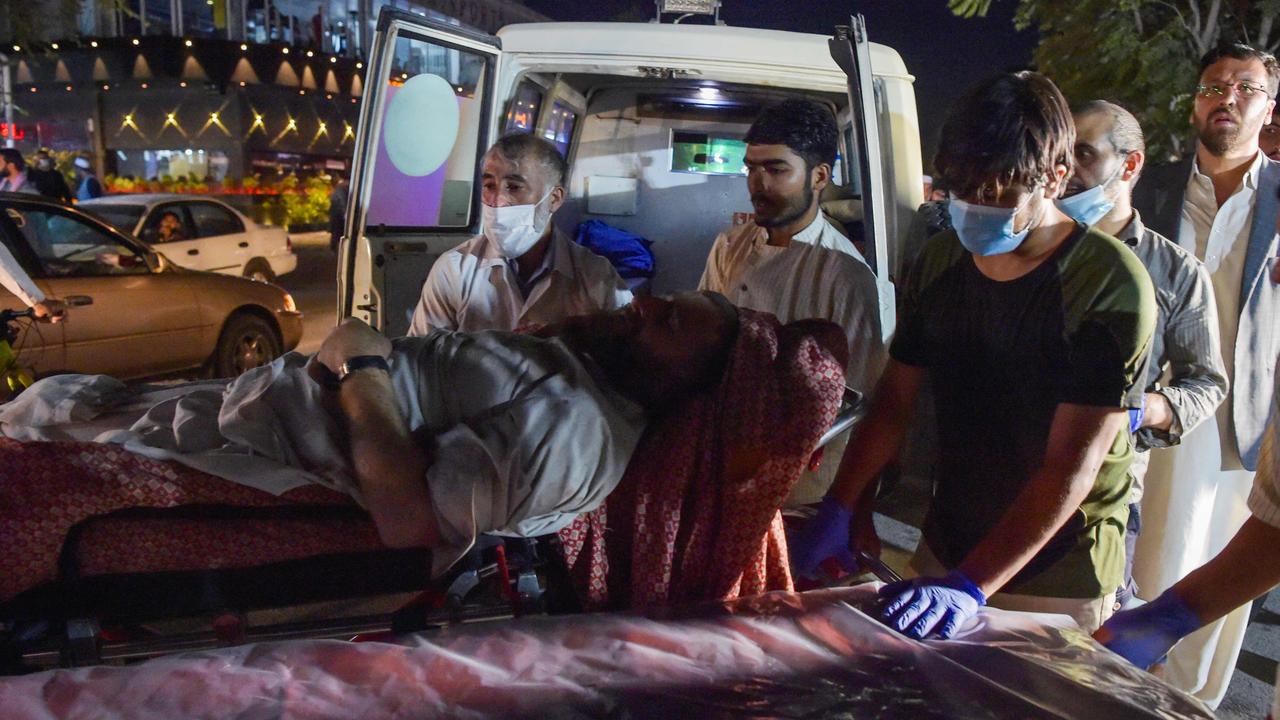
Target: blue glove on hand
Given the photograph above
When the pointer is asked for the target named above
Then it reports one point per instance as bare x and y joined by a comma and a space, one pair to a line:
826, 535
930, 606
1144, 635
1136, 415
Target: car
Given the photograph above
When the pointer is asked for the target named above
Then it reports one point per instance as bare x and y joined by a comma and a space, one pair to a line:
201, 233
132, 312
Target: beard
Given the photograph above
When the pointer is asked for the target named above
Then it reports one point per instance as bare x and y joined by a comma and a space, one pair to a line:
793, 207
1218, 140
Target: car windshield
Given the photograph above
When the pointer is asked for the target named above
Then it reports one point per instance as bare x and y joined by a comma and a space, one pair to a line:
124, 217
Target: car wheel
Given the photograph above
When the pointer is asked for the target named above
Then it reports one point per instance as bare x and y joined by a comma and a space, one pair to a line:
260, 270
247, 342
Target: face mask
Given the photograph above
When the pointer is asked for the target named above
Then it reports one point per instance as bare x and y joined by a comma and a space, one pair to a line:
986, 230
1090, 206
44, 164
515, 229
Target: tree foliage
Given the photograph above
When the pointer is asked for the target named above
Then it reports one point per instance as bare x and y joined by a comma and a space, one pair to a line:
1142, 54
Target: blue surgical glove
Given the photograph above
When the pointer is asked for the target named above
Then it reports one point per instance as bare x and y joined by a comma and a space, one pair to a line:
826, 536
1136, 415
930, 606
1144, 635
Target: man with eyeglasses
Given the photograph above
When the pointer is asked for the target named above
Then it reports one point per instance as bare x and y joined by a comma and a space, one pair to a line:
1220, 203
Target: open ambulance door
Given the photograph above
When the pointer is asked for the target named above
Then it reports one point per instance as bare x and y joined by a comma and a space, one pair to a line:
851, 51
427, 117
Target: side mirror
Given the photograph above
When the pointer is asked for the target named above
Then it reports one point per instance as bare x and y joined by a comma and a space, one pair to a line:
155, 261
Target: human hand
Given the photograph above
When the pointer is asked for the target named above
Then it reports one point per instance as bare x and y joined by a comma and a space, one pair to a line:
930, 606
51, 310
351, 338
825, 536
1145, 635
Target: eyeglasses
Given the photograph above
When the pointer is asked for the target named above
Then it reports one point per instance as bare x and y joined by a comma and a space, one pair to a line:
1243, 89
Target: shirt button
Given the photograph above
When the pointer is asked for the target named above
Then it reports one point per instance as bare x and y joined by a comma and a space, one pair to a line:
744, 288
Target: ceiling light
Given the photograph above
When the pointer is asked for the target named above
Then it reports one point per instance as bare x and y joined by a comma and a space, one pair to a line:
359, 66
333, 59
93, 43
136, 41
310, 54
54, 45
284, 50
243, 47
188, 43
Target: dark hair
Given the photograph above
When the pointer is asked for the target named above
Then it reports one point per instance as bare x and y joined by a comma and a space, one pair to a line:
13, 156
1240, 51
517, 146
804, 126
1011, 129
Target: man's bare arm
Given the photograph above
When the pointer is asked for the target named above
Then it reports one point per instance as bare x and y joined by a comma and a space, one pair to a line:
1078, 442
875, 443
389, 465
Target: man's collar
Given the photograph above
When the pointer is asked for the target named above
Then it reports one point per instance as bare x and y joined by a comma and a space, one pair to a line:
558, 258
1251, 176
1130, 234
812, 232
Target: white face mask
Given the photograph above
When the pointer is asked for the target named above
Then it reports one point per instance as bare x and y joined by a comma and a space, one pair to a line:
515, 229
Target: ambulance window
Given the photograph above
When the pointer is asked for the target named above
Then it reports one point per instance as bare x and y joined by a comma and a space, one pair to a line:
522, 115
424, 167
703, 154
560, 127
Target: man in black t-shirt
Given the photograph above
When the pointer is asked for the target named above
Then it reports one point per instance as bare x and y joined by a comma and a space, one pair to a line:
1034, 331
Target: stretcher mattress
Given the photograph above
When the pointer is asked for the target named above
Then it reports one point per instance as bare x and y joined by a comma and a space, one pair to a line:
777, 655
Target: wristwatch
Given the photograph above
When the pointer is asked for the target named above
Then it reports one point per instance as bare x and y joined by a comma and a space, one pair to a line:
360, 362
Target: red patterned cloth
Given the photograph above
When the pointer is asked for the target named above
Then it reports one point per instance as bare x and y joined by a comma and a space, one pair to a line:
696, 517
46, 488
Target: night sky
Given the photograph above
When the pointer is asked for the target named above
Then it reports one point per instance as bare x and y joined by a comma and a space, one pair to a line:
945, 53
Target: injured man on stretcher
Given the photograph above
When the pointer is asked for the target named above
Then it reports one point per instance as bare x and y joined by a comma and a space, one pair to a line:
514, 434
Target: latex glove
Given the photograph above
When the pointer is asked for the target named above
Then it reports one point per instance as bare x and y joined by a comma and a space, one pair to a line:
1144, 635
826, 536
923, 607
1136, 415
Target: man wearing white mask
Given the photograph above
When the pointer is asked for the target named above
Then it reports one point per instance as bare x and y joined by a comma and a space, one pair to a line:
521, 271
1186, 379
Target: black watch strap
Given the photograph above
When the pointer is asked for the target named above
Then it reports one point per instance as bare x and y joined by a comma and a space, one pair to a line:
361, 362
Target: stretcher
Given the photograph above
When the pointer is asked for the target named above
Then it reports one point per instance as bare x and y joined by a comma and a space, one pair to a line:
804, 655
227, 551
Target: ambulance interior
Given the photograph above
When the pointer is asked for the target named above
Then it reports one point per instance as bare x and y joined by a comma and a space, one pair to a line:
659, 157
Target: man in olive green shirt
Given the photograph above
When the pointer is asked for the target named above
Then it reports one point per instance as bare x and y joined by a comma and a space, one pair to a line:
1034, 331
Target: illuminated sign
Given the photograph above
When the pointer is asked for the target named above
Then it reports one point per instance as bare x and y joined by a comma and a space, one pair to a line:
12, 131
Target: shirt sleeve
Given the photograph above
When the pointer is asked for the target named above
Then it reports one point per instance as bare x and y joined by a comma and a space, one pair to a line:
527, 467
1111, 317
437, 308
908, 346
16, 280
713, 273
1198, 377
859, 317
1264, 500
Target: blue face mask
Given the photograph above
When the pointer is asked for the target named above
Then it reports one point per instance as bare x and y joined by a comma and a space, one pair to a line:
986, 230
1090, 206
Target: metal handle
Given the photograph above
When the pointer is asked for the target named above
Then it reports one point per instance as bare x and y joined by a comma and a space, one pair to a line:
244, 244
855, 408
193, 252
77, 300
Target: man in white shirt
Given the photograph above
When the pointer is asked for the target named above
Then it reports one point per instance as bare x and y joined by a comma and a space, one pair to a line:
439, 437
1221, 205
789, 261
521, 271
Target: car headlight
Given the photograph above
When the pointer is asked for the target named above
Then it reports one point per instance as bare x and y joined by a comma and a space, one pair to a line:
289, 305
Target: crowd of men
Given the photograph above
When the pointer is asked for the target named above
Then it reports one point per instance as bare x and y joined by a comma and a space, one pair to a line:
1098, 333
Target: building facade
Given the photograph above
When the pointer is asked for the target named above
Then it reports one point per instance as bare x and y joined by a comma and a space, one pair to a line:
204, 89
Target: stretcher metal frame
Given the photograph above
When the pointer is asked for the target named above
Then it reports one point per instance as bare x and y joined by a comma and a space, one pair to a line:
91, 620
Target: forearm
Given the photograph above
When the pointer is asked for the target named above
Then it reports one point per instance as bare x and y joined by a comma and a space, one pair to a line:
1043, 506
389, 465
877, 438
1247, 567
